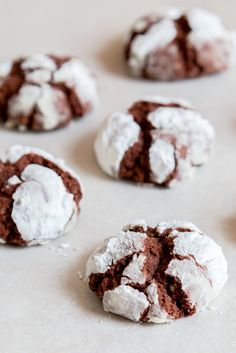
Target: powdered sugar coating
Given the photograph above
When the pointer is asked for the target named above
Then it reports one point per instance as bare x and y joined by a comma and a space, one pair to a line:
207, 253
116, 136
156, 314
162, 160
125, 301
167, 100
15, 152
206, 26
5, 69
45, 199
24, 102
114, 249
13, 180
188, 129
153, 50
197, 261
42, 206
75, 74
38, 60
181, 140
133, 272
47, 102
158, 36
51, 91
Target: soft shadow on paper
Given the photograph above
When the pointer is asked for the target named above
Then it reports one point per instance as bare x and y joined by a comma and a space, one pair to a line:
111, 57
84, 157
229, 226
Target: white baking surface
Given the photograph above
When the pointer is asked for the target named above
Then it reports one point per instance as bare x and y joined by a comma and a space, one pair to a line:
45, 307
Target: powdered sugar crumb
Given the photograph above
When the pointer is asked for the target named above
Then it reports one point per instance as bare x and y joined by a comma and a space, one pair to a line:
80, 275
64, 245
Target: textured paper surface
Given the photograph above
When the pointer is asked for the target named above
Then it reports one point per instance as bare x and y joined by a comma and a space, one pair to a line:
45, 308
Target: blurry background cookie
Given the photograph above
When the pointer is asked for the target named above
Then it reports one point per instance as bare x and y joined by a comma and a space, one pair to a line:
157, 140
45, 92
39, 197
157, 274
178, 44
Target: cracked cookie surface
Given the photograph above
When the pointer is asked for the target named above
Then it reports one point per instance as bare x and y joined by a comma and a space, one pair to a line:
179, 44
157, 274
157, 140
45, 92
39, 197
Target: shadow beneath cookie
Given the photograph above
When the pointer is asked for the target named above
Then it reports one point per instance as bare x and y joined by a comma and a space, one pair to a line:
77, 290
229, 225
83, 156
111, 58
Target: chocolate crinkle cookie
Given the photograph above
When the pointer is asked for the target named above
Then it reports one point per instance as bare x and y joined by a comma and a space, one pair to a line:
157, 274
39, 197
158, 140
177, 44
45, 92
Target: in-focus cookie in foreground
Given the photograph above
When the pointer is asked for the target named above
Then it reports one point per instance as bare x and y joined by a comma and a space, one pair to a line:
157, 274
45, 92
177, 44
39, 197
157, 140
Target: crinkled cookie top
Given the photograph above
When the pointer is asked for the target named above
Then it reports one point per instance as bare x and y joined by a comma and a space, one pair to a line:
39, 197
157, 274
157, 140
45, 92
176, 44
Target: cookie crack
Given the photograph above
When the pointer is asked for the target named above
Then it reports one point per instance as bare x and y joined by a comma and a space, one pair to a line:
135, 164
134, 34
10, 87
188, 53
172, 299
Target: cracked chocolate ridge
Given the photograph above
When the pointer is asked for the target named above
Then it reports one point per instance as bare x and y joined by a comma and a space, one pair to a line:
8, 229
13, 82
189, 60
135, 164
158, 250
134, 34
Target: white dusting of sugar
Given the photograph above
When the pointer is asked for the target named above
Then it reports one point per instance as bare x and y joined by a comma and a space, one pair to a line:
156, 314
114, 249
75, 74
116, 136
42, 206
39, 76
125, 301
157, 36
5, 69
206, 26
50, 114
190, 130
38, 60
202, 271
13, 180
15, 152
162, 160
133, 273
24, 101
